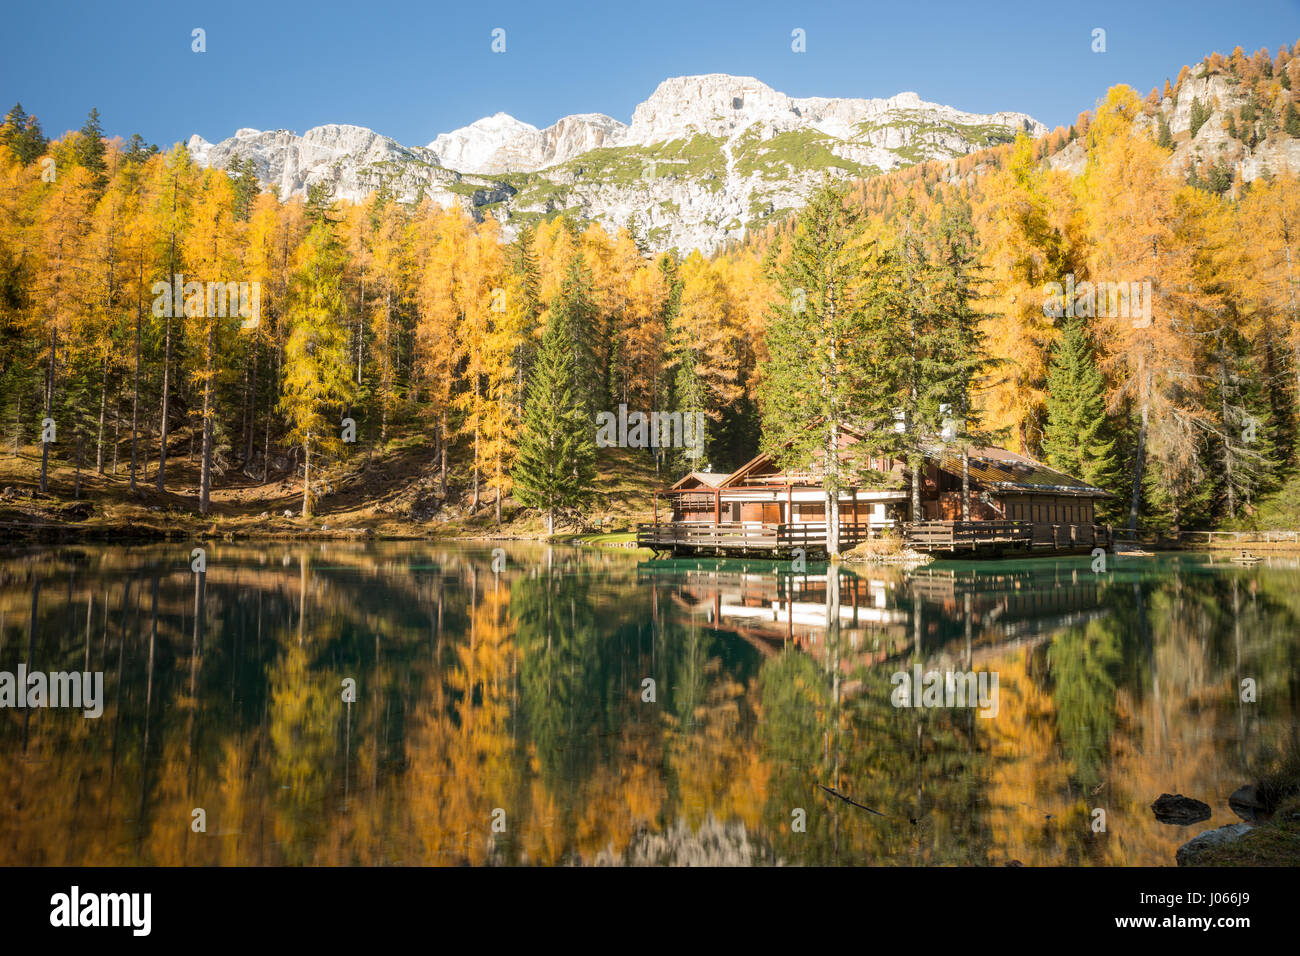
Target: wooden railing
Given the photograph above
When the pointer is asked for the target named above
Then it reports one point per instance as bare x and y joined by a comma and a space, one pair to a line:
923, 535
968, 535
744, 536
1234, 538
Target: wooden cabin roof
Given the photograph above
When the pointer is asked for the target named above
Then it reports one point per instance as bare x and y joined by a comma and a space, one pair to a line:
1002, 470
699, 479
996, 469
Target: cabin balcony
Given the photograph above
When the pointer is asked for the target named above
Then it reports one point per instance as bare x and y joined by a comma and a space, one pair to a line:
952, 537
750, 537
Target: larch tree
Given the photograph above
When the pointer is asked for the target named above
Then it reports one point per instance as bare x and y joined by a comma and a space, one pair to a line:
212, 249
63, 225
1135, 222
173, 198
317, 382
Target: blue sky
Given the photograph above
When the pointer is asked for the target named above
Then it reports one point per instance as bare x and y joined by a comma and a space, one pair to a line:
414, 69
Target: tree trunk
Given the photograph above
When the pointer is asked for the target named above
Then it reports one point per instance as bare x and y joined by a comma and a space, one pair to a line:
831, 478
103, 411
306, 477
166, 395
76, 480
965, 484
474, 505
1229, 478
252, 410
1139, 460
916, 463
135, 401
442, 430
49, 413
205, 466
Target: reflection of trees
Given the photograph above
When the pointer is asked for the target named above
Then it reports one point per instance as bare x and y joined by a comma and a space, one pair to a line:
522, 691
462, 759
304, 713
1085, 662
560, 682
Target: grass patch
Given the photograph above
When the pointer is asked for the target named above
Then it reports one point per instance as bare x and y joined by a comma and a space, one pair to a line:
799, 150
1276, 843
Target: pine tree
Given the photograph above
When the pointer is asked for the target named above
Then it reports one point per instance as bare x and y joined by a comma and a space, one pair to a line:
556, 462
823, 352
1165, 138
1200, 113
1078, 438
243, 176
689, 398
137, 151
22, 134
89, 149
579, 316
1291, 119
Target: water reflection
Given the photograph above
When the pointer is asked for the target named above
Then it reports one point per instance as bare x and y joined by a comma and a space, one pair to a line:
508, 717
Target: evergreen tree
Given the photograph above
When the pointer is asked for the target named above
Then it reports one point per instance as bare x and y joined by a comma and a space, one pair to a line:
1200, 113
689, 398
243, 176
960, 339
1165, 138
523, 264
320, 202
22, 134
1078, 438
824, 352
578, 314
1244, 446
555, 466
137, 151
89, 149
1291, 119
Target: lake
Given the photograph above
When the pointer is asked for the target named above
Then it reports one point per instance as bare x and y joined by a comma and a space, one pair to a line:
349, 703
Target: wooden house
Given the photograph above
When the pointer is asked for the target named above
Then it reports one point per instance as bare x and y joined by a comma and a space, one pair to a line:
1013, 500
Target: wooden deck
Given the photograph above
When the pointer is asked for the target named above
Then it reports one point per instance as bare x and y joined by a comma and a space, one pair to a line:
954, 537
744, 537
997, 536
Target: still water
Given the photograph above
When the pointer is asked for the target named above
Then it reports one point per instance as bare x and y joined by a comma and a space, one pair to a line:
586, 706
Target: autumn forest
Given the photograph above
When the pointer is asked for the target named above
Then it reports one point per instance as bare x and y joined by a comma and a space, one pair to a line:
422, 324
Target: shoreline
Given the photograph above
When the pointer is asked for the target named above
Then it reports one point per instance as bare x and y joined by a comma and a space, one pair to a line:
51, 533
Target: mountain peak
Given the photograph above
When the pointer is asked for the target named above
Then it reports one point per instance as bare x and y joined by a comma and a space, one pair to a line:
705, 157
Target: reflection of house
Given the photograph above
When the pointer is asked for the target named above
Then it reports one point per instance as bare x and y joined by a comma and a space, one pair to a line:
1014, 502
884, 616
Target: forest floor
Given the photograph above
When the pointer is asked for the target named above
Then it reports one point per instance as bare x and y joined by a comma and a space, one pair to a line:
392, 494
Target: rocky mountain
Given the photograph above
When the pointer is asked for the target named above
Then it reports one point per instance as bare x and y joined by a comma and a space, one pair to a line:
704, 158
1211, 143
